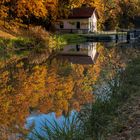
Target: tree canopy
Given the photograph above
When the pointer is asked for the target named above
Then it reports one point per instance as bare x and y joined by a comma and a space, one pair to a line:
45, 12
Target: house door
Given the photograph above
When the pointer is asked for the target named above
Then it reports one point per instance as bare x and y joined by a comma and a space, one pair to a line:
78, 25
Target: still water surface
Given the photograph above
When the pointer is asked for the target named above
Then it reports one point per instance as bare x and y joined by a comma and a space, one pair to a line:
35, 87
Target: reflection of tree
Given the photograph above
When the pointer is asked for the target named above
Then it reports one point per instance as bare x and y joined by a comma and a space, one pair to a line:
58, 87
44, 88
63, 83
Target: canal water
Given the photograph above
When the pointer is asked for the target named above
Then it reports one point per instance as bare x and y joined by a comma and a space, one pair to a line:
35, 87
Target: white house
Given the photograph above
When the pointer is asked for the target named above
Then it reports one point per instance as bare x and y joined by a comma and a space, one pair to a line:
82, 20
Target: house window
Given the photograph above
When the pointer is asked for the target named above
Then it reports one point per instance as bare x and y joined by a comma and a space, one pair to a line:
78, 25
77, 48
61, 25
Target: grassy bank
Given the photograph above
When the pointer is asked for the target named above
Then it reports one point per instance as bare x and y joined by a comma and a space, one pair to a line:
72, 38
110, 117
33, 38
129, 113
36, 36
113, 118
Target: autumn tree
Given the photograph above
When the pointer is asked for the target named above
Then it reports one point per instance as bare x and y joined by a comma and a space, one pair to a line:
30, 8
122, 12
52, 13
4, 9
125, 12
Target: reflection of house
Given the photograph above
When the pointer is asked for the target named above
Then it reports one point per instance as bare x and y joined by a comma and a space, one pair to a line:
134, 33
82, 19
136, 22
80, 54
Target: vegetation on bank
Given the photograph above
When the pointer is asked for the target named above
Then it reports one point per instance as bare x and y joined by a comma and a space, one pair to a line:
37, 37
94, 122
72, 38
53, 42
128, 113
105, 117
33, 38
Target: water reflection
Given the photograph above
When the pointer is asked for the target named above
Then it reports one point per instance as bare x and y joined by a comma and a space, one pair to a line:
40, 120
32, 85
28, 84
80, 53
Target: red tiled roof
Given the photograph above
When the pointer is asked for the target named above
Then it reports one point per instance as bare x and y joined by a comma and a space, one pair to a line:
83, 12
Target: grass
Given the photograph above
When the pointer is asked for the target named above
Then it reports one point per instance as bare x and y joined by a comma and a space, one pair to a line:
35, 37
17, 43
72, 38
13, 48
104, 117
56, 42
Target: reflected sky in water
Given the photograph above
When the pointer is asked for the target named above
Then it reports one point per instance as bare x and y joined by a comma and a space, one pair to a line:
40, 120
82, 54
34, 83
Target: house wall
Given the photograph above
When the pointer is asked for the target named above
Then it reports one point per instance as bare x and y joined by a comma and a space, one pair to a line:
93, 23
86, 25
71, 24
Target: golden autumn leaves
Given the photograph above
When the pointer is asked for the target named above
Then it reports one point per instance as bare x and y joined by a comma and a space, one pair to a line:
57, 87
111, 12
41, 88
